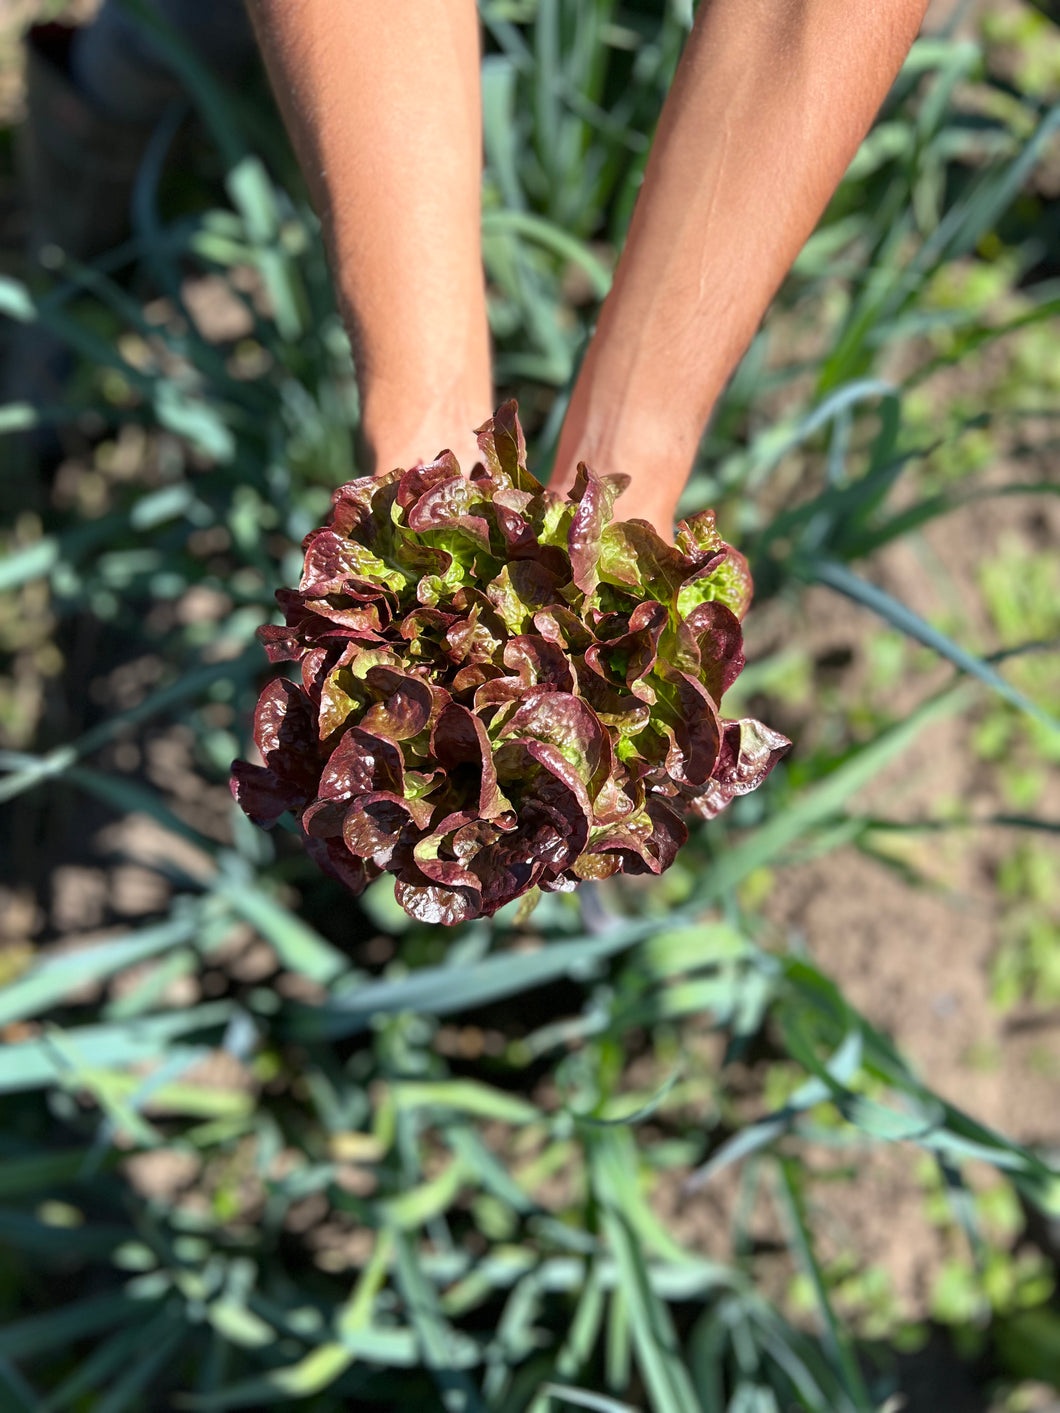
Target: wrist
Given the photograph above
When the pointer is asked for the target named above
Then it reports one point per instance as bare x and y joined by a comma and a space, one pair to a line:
397, 433
656, 454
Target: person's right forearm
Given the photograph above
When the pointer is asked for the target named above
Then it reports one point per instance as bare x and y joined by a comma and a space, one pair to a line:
382, 103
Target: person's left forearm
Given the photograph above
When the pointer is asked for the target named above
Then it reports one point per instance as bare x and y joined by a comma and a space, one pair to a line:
770, 102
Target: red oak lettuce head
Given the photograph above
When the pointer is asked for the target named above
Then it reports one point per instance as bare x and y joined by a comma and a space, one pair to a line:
501, 688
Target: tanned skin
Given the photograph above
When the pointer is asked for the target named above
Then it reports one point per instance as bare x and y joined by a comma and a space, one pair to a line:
382, 99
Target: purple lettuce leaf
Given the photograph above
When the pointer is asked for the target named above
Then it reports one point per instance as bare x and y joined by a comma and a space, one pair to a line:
501, 690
